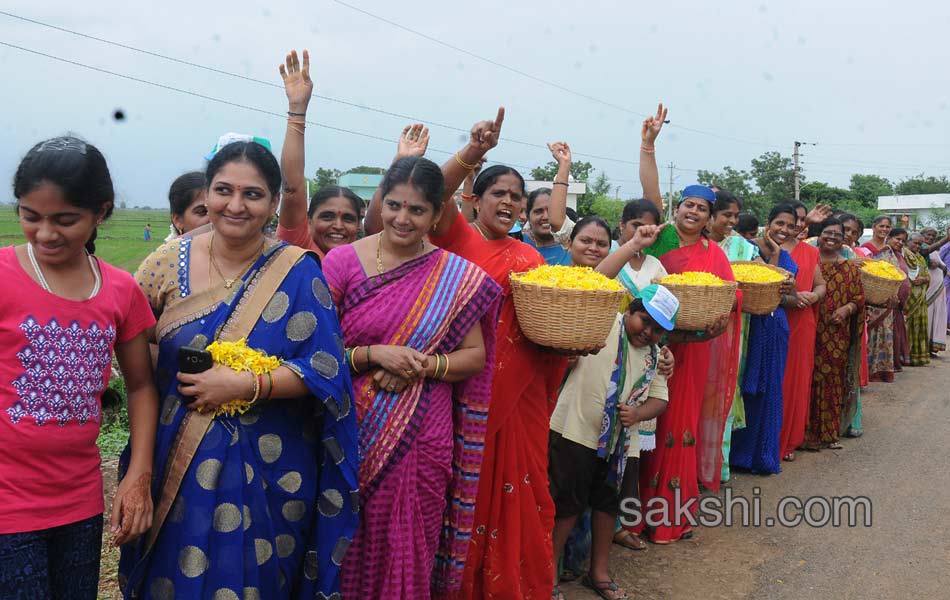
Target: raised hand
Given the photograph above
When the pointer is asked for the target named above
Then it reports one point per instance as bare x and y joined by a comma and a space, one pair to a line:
818, 214
414, 141
485, 134
652, 126
561, 153
297, 83
646, 235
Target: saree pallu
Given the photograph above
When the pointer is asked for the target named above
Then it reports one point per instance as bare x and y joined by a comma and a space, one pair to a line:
511, 554
901, 339
883, 357
796, 385
268, 504
689, 433
945, 257
837, 357
756, 447
915, 311
422, 447
736, 248
937, 305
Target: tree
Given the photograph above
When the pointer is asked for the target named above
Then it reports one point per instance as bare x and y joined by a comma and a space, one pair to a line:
738, 183
923, 185
325, 177
580, 171
866, 188
939, 218
364, 170
607, 208
774, 176
816, 191
600, 186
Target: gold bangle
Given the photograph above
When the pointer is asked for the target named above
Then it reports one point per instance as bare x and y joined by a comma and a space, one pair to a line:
439, 365
445, 372
464, 164
298, 130
257, 387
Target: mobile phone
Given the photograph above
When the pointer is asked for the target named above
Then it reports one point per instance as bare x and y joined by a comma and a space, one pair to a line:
193, 360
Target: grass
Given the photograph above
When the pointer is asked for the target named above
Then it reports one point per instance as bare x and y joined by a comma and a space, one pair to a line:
120, 241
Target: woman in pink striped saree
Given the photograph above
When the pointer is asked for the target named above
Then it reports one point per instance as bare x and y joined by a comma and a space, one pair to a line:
419, 326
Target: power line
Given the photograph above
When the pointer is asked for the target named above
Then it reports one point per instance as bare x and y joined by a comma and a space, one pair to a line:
351, 104
541, 80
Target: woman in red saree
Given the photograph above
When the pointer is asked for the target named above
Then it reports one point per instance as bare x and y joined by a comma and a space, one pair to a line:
802, 322
689, 433
420, 323
510, 552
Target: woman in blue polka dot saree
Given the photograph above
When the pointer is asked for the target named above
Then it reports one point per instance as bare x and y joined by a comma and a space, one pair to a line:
261, 504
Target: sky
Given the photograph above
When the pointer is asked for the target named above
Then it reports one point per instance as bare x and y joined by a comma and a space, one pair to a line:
864, 81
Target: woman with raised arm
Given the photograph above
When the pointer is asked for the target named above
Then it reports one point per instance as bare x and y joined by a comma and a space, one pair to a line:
649, 174
333, 216
419, 323
510, 555
838, 347
800, 363
548, 227
702, 391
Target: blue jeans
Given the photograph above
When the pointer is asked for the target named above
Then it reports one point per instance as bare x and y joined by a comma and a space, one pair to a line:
61, 563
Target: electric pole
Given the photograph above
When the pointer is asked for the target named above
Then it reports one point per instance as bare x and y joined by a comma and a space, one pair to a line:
669, 203
797, 172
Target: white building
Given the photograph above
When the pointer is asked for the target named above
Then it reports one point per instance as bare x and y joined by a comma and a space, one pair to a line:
918, 208
574, 189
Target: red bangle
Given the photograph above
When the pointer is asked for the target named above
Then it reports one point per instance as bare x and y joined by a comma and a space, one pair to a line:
467, 197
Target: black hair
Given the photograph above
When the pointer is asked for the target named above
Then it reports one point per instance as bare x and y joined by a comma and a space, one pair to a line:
78, 169
636, 305
421, 173
184, 190
250, 152
844, 217
829, 222
572, 214
635, 209
880, 218
896, 232
797, 204
783, 208
534, 196
748, 223
334, 191
724, 200
592, 220
487, 177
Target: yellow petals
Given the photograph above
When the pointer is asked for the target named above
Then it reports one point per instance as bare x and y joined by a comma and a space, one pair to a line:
756, 274
883, 269
238, 356
693, 278
572, 278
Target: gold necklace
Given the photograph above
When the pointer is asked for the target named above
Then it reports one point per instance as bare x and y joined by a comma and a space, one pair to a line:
478, 228
214, 264
379, 253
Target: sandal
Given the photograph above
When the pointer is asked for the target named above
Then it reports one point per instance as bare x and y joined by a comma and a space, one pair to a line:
790, 457
629, 540
835, 446
602, 588
557, 594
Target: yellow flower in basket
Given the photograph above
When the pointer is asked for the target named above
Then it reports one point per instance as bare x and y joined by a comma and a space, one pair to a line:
239, 357
756, 274
571, 278
883, 269
693, 278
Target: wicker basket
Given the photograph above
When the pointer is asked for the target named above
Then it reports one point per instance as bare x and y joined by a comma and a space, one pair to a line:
701, 305
761, 298
878, 291
565, 319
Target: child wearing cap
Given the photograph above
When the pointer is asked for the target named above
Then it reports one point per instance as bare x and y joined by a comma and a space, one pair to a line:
594, 444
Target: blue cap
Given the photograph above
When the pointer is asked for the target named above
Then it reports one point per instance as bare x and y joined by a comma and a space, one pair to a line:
698, 191
661, 304
515, 228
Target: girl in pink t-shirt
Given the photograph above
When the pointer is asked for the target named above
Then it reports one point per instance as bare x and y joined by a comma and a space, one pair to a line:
63, 313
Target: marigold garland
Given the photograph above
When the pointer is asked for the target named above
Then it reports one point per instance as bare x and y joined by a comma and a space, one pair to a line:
882, 269
756, 274
239, 357
693, 278
572, 278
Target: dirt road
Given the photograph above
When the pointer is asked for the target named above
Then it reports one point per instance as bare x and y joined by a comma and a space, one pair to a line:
900, 465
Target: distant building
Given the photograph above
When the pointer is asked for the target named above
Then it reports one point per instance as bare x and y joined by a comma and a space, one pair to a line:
363, 185
574, 189
918, 208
